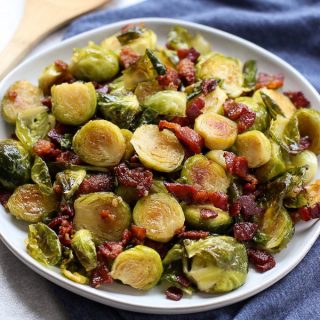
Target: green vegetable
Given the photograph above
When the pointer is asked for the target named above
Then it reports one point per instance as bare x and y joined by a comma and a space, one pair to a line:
249, 74
174, 254
128, 194
127, 134
218, 157
214, 101
40, 176
130, 34
146, 89
157, 64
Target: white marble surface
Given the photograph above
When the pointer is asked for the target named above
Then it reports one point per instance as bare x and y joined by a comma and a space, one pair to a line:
24, 294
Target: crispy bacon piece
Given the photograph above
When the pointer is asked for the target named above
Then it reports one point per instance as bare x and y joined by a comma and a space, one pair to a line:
160, 247
68, 157
308, 213
298, 99
63, 227
138, 234
193, 234
128, 57
174, 293
270, 81
240, 113
187, 71
262, 261
139, 177
183, 280
106, 214
194, 108
99, 276
244, 231
46, 101
190, 53
46, 149
189, 194
207, 214
4, 197
186, 135
208, 85
97, 183
66, 208
170, 79
245, 205
110, 249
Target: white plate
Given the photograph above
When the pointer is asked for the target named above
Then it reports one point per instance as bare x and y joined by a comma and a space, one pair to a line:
13, 232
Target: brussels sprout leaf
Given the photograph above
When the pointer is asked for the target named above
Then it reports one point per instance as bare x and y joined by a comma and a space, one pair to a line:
40, 175
157, 64
249, 73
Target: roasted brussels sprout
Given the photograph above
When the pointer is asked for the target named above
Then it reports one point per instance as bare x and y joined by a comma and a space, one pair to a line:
167, 102
227, 69
99, 143
28, 203
205, 174
218, 131
88, 215
73, 103
218, 157
139, 267
218, 223
146, 89
121, 110
160, 214
159, 150
20, 96
158, 186
111, 43
14, 162
249, 74
43, 244
94, 63
214, 101
40, 175
117, 88
255, 147
217, 263
127, 134
85, 249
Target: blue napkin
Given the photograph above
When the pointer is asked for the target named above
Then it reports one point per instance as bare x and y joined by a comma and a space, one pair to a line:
290, 29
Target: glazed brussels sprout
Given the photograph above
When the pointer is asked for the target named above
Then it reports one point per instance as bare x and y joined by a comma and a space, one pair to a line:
127, 134
99, 143
205, 174
217, 224
146, 89
94, 63
255, 147
167, 102
85, 249
218, 157
14, 162
160, 214
40, 175
28, 203
73, 103
88, 215
158, 150
139, 267
227, 69
214, 101
121, 110
217, 131
20, 96
217, 263
43, 244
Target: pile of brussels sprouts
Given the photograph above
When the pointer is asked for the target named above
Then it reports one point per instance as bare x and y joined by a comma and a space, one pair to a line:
115, 114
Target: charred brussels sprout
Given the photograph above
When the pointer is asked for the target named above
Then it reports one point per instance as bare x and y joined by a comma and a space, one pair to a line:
43, 244
160, 214
28, 203
216, 264
159, 150
85, 249
14, 162
218, 131
20, 96
139, 267
94, 63
89, 214
205, 174
73, 103
99, 143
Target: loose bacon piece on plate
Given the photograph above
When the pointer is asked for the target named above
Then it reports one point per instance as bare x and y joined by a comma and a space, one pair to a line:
298, 99
270, 81
174, 293
100, 275
262, 261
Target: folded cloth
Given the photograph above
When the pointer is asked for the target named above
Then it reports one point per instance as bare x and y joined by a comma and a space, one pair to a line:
291, 30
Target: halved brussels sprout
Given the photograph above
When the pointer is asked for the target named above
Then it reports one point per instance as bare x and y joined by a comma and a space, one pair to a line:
28, 203
218, 157
158, 186
214, 101
99, 143
146, 88
139, 267
111, 43
313, 193
85, 249
73, 103
127, 134
217, 131
94, 63
216, 264
88, 215
255, 147
40, 175
43, 244
117, 88
20, 96
160, 214
15, 163
158, 150
227, 69
217, 224
167, 102
205, 174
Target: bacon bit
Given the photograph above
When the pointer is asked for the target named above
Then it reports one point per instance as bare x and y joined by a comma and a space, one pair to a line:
208, 85
140, 177
97, 183
262, 261
186, 70
170, 79
308, 213
186, 135
65, 231
110, 249
206, 214
298, 99
128, 57
245, 205
68, 157
46, 101
182, 121
183, 280
100, 275
160, 247
57, 221
61, 65
105, 214
244, 231
4, 197
193, 234
194, 108
126, 237
304, 144
174, 293
66, 209
270, 81
138, 234
192, 54
46, 149
240, 113
12, 95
